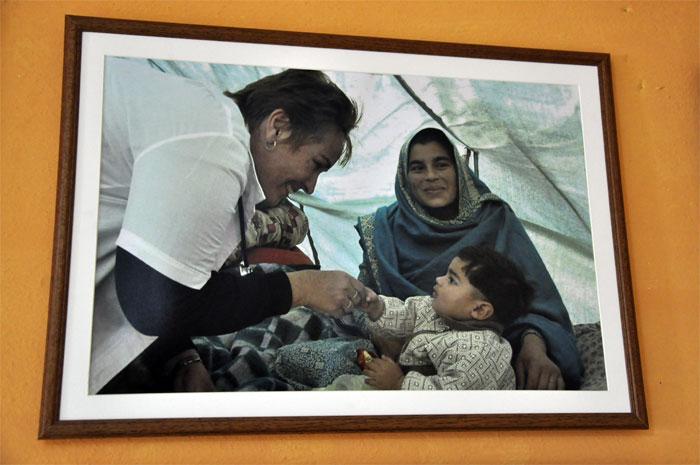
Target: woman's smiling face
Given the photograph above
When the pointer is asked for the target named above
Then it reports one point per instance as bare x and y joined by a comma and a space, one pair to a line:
287, 169
282, 167
432, 179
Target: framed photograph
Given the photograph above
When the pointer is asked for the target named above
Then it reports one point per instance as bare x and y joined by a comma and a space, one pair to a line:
533, 144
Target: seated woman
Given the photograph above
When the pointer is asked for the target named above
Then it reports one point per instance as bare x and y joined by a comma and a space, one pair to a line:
441, 208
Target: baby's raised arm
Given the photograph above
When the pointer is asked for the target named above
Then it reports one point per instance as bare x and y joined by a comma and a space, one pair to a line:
374, 307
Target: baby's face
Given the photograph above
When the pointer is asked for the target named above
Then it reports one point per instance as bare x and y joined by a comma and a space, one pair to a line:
453, 295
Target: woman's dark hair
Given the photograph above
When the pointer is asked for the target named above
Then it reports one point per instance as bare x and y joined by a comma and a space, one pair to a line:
499, 280
312, 102
427, 135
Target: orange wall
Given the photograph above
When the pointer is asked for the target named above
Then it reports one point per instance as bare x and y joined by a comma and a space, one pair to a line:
654, 48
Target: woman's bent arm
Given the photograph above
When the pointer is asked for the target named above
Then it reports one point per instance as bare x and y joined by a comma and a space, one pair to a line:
158, 306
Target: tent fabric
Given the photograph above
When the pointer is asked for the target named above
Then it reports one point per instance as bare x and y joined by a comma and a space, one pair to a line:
531, 154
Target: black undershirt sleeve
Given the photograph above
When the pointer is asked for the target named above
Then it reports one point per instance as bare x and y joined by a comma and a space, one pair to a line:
158, 306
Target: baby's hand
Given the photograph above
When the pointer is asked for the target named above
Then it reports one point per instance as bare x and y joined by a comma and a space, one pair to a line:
383, 373
374, 306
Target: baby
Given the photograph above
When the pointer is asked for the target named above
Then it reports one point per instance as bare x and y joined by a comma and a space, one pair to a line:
452, 339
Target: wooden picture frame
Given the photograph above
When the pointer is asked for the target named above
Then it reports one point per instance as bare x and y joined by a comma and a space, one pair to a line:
71, 249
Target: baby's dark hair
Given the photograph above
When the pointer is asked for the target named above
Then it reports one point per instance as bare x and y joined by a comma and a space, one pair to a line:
499, 280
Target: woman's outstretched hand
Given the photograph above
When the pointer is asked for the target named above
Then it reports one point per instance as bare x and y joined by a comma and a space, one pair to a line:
533, 369
333, 292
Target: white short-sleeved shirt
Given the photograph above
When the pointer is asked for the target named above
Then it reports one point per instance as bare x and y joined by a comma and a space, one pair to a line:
175, 160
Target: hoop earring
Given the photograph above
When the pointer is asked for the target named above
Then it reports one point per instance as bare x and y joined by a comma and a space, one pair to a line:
270, 146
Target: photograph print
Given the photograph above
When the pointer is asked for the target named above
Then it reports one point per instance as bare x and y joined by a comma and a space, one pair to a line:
287, 232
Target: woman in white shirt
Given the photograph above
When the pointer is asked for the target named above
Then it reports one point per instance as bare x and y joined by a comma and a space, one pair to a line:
183, 167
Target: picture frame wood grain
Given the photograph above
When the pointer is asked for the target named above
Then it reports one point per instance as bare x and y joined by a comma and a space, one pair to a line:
52, 425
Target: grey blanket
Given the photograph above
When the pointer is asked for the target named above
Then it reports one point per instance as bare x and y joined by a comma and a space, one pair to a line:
299, 350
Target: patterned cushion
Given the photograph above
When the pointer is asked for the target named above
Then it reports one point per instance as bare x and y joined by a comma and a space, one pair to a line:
318, 363
590, 346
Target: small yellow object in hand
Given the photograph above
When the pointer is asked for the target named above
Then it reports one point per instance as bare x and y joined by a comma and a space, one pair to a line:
364, 357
